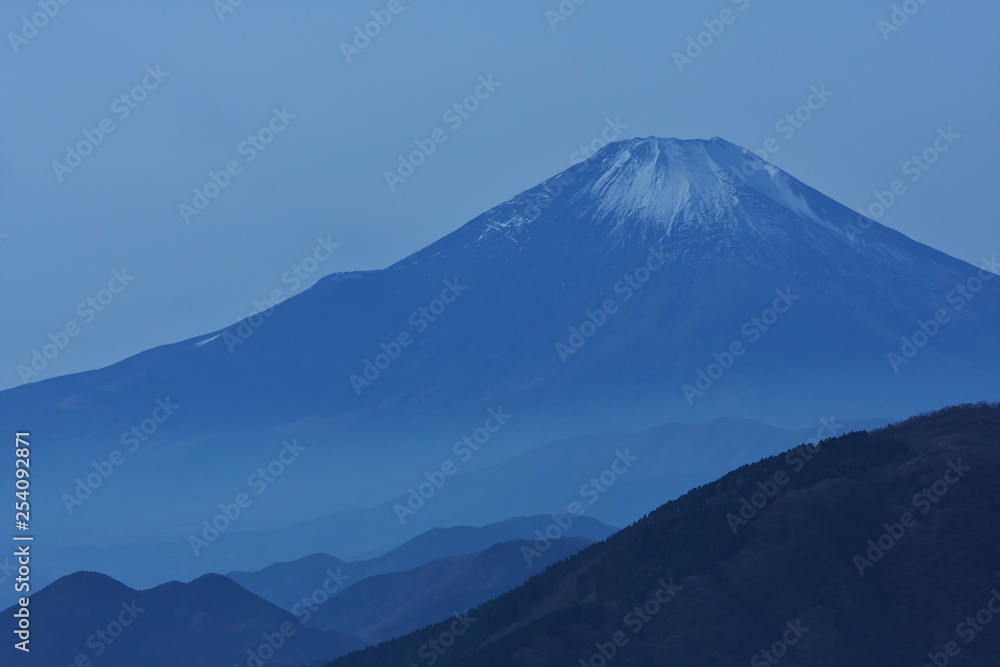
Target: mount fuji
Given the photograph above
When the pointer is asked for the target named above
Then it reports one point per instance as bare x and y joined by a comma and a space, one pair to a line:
660, 280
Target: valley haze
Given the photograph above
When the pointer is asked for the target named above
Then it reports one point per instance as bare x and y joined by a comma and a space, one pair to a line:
660, 282
513, 334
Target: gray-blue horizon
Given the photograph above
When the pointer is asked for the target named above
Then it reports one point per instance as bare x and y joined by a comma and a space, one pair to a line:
189, 159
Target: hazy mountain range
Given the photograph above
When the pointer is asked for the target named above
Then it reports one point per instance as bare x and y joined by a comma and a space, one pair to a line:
875, 549
631, 328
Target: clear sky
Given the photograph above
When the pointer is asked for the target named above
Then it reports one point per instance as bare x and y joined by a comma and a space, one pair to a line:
196, 86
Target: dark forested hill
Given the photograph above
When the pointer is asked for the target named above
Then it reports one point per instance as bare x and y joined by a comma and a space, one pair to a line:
872, 549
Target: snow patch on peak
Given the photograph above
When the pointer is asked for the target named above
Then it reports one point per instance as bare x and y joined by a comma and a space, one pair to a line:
655, 186
206, 341
507, 225
757, 174
659, 180
521, 210
656, 178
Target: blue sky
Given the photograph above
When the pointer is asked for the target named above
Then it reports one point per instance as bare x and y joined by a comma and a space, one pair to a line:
197, 87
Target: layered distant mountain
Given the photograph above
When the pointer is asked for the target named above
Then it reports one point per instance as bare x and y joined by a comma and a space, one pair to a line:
660, 280
88, 618
384, 606
874, 548
286, 584
559, 477
330, 607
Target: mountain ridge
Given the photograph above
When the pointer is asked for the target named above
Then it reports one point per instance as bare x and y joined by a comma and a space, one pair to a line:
88, 617
848, 513
476, 322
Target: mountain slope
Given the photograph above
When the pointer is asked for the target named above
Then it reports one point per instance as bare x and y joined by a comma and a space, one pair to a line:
289, 583
672, 459
207, 623
873, 550
317, 577
534, 266
654, 281
388, 605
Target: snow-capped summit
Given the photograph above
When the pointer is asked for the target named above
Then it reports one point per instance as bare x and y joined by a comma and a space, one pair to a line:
651, 188
658, 280
730, 229
675, 182
636, 193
